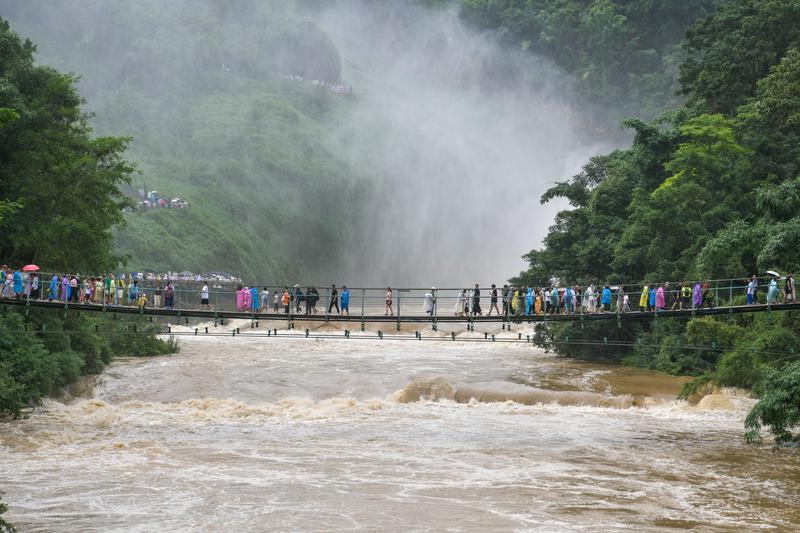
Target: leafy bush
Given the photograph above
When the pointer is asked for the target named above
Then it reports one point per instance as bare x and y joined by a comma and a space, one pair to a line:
779, 407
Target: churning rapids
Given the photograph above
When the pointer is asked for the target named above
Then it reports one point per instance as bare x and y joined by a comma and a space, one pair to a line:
278, 434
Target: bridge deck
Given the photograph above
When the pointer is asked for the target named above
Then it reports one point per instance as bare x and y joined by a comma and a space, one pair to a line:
358, 318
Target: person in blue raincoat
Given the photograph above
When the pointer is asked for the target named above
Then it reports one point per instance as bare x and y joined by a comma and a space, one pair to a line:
254, 298
652, 299
345, 300
17, 284
569, 301
605, 299
772, 290
529, 301
53, 288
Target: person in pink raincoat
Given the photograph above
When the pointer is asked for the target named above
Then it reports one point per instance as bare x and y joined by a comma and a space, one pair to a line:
660, 303
239, 298
247, 299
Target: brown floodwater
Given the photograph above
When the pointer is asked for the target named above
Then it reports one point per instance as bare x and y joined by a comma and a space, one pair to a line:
280, 434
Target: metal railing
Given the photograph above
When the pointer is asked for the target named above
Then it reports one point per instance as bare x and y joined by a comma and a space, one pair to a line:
372, 302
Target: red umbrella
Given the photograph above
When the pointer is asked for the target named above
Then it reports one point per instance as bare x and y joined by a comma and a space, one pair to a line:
30, 268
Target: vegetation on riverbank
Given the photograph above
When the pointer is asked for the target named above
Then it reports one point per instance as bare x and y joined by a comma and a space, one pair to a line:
5, 527
709, 189
60, 199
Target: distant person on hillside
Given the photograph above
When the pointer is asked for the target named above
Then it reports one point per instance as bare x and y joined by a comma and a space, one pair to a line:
204, 297
493, 300
334, 300
388, 311
345, 300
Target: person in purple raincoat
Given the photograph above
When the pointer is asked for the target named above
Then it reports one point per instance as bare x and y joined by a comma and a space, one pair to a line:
697, 295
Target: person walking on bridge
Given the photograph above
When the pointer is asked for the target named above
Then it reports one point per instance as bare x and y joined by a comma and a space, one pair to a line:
697, 295
506, 300
461, 302
264, 300
644, 298
169, 296
606, 299
660, 302
17, 284
286, 300
476, 301
204, 297
387, 308
334, 300
345, 300
493, 301
788, 289
429, 302
772, 291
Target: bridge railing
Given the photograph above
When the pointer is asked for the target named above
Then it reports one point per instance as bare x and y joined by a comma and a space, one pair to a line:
372, 302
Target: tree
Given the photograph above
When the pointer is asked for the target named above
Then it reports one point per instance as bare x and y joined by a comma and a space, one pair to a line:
735, 47
779, 407
60, 187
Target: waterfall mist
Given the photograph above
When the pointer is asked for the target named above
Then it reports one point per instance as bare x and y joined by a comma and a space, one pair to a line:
459, 136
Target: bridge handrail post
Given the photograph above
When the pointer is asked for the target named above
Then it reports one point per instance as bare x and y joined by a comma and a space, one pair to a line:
399, 295
730, 293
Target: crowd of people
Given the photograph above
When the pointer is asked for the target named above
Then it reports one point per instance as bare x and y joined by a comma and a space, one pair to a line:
159, 292
338, 88
530, 301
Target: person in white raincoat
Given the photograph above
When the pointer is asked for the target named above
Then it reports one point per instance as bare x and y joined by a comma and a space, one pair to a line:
592, 297
429, 302
461, 302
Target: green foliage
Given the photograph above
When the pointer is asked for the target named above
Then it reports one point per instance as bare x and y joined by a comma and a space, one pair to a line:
65, 185
625, 53
5, 527
46, 350
779, 407
215, 123
709, 190
731, 50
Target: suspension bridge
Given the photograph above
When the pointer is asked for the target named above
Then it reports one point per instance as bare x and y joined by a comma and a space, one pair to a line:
367, 305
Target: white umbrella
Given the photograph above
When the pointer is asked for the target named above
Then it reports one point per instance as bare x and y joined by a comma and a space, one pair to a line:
773, 273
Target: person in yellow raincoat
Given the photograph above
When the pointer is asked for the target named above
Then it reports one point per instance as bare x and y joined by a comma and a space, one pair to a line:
643, 299
537, 305
515, 292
